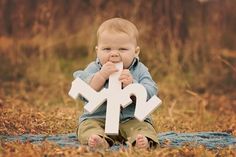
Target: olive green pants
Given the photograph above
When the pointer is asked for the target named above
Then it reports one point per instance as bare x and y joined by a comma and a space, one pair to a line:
128, 131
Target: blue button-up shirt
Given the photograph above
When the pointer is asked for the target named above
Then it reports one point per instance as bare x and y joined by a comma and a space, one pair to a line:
140, 75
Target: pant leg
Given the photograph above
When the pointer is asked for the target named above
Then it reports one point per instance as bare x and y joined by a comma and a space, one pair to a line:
90, 127
130, 129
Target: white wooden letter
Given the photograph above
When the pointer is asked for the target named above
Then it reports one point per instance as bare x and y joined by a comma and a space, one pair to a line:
113, 102
115, 97
143, 108
95, 99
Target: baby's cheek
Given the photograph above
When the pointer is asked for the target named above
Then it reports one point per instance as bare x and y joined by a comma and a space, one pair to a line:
126, 64
128, 61
103, 61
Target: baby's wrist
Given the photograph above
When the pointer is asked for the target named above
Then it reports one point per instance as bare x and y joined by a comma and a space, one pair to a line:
101, 75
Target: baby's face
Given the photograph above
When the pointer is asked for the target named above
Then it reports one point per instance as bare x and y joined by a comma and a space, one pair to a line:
116, 47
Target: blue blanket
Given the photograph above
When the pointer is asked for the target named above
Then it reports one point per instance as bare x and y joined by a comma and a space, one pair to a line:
211, 140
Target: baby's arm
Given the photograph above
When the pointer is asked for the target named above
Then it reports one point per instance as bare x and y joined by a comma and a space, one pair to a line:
97, 81
100, 77
146, 80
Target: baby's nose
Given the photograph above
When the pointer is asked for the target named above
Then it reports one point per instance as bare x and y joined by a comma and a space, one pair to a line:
115, 57
115, 53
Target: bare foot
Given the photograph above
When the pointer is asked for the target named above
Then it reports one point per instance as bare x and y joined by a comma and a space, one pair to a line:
95, 141
142, 142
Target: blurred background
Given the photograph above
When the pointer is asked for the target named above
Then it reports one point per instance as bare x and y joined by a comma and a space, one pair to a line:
189, 47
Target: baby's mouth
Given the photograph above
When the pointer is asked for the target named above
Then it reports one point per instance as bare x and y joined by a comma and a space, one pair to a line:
115, 59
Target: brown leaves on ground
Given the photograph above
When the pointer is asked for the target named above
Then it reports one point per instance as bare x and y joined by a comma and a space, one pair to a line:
205, 113
45, 149
18, 117
27, 149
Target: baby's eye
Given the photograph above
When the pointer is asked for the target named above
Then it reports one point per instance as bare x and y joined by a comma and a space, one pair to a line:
106, 49
123, 49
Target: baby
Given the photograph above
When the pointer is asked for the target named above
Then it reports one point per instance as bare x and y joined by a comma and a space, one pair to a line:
117, 41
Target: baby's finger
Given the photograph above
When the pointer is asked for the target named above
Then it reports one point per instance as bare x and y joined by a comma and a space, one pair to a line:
114, 69
122, 80
109, 63
126, 71
125, 81
123, 77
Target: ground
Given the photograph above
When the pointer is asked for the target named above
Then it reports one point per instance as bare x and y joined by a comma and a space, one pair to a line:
208, 113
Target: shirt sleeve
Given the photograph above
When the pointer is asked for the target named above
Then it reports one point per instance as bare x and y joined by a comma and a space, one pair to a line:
146, 80
88, 73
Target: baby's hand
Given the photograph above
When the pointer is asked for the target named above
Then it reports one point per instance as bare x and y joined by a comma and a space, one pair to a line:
107, 69
126, 78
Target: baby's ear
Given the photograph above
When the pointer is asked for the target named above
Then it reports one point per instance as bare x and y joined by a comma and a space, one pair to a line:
96, 49
137, 50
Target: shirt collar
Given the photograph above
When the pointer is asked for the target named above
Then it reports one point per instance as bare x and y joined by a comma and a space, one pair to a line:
134, 63
98, 63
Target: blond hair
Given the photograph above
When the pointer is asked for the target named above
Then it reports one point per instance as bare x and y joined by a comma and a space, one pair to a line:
119, 25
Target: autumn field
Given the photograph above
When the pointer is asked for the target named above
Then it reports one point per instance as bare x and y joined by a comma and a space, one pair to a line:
188, 46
